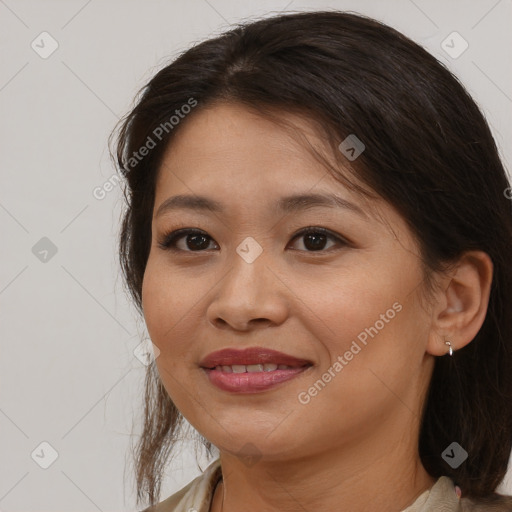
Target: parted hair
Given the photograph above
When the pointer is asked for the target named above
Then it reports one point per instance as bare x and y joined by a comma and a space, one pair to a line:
429, 152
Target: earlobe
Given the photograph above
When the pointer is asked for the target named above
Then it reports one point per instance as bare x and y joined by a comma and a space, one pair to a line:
461, 306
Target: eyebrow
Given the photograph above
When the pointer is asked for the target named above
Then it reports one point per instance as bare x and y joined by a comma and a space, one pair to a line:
288, 204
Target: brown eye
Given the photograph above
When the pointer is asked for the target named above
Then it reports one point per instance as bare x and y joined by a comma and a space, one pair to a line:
195, 241
315, 239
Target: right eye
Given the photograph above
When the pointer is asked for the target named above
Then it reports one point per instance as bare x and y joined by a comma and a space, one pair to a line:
195, 240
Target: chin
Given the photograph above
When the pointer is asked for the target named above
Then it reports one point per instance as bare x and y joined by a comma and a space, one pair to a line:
256, 443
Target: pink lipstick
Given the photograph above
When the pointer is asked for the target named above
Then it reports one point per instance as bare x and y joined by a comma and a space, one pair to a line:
251, 370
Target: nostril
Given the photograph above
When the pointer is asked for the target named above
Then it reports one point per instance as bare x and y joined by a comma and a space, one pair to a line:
260, 321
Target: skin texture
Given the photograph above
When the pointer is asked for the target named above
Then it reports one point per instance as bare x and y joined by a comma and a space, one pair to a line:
355, 442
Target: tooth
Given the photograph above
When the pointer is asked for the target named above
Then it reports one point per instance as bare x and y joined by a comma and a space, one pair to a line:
283, 367
254, 368
239, 368
227, 369
269, 367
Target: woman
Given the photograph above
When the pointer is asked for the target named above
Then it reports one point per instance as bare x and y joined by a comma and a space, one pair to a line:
318, 236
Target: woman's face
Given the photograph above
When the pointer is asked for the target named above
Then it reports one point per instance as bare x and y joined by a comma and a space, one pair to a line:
346, 304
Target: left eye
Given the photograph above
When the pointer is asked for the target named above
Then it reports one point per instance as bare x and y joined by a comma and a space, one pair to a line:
197, 241
315, 238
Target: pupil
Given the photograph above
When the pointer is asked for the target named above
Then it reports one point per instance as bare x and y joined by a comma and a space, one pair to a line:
318, 241
193, 245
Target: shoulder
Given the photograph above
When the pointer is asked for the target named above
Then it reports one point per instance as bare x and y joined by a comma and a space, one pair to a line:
169, 504
442, 496
196, 495
494, 503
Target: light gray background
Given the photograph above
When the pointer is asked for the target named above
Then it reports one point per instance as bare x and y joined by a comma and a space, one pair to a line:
68, 332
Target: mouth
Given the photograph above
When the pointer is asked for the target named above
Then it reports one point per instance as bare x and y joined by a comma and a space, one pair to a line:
254, 368
251, 370
253, 359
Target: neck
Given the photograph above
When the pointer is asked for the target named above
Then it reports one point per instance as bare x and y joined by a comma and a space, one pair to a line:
361, 478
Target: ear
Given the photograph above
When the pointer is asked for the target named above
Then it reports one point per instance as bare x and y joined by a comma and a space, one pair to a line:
461, 305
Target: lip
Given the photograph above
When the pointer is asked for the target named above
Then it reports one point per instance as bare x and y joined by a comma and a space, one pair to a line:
251, 382
251, 355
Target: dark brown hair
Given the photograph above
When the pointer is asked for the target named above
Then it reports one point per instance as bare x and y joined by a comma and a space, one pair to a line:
429, 153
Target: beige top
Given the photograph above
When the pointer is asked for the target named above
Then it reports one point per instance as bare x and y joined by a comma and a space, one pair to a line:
441, 497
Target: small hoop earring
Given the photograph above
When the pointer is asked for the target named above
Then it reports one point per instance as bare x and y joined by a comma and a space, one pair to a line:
450, 345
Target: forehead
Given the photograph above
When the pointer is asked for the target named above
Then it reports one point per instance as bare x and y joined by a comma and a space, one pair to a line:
228, 146
243, 161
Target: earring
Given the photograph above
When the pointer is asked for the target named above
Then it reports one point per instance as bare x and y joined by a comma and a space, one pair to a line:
451, 350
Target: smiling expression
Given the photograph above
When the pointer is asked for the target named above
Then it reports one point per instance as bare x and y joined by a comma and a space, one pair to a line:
241, 183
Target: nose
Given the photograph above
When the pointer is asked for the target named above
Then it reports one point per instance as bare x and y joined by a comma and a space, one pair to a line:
249, 296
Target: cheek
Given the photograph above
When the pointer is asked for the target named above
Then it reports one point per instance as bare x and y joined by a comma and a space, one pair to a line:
169, 317
347, 304
153, 302
172, 310
161, 304
371, 343
372, 317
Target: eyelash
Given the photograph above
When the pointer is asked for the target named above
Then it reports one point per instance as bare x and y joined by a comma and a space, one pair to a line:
168, 240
